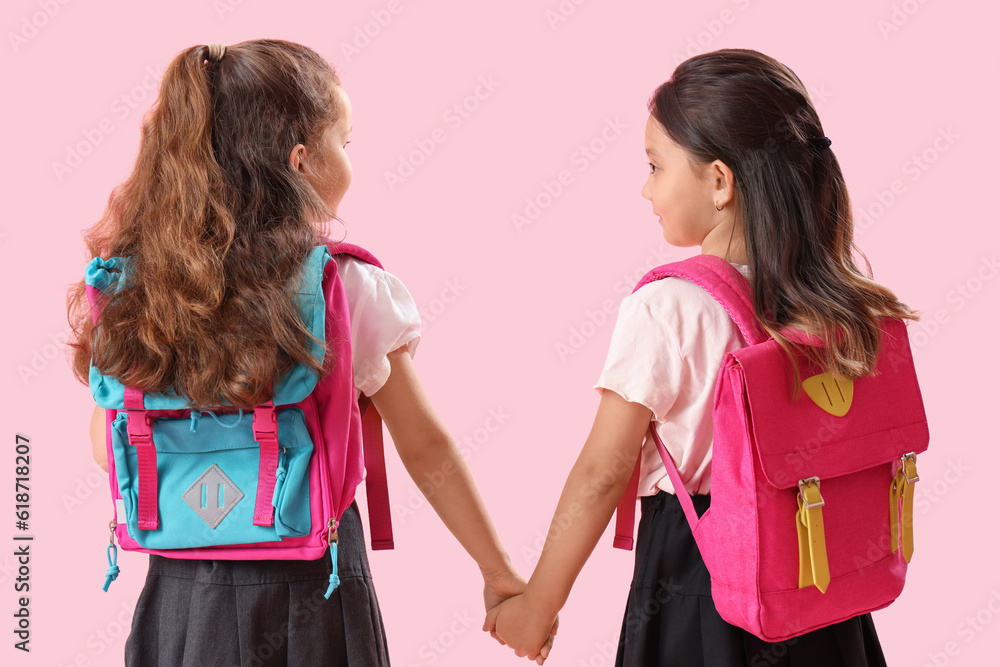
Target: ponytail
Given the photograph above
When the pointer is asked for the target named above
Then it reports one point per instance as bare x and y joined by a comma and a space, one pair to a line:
217, 224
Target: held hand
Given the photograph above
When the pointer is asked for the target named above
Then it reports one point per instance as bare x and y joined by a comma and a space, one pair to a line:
500, 586
518, 624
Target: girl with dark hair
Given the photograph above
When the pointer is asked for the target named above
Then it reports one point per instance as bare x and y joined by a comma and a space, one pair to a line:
242, 161
740, 166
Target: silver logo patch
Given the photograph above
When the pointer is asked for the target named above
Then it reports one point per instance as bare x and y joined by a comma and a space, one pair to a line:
212, 496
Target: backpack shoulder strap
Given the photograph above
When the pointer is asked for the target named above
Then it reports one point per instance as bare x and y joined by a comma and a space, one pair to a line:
376, 483
732, 290
724, 282
354, 251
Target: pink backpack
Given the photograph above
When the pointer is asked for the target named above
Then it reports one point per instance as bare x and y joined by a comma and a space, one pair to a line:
221, 484
811, 520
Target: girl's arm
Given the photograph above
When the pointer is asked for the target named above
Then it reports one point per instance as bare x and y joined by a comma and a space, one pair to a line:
588, 500
434, 462
98, 437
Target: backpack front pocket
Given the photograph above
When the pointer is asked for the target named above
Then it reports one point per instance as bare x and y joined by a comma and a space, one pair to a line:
207, 471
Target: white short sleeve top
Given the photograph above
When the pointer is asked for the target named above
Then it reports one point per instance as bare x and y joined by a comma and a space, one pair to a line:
384, 317
666, 351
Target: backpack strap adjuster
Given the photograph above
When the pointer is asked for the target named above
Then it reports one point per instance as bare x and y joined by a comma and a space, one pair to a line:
809, 499
901, 505
140, 436
814, 569
265, 432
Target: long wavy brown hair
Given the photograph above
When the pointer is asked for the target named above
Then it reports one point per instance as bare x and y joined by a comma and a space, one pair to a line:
754, 114
217, 225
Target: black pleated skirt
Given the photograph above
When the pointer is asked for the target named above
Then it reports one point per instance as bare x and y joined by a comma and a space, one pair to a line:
670, 618
225, 613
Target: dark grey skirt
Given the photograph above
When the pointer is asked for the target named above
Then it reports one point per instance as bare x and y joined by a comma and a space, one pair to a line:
196, 613
670, 618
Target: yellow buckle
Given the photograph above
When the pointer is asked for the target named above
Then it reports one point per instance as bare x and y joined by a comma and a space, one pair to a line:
814, 569
901, 489
808, 482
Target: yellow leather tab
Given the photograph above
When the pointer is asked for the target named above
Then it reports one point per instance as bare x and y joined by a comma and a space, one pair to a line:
832, 395
894, 491
909, 470
901, 489
811, 517
805, 566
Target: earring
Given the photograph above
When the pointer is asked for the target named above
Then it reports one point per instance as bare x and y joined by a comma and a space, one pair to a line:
718, 208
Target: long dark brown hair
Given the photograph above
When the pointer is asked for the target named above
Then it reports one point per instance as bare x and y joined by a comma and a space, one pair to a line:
217, 225
754, 114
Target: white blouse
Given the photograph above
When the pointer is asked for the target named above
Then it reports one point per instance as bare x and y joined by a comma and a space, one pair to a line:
666, 351
384, 317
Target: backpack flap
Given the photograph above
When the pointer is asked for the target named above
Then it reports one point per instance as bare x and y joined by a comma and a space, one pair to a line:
102, 279
881, 417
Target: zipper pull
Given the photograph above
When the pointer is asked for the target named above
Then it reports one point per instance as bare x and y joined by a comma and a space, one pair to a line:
113, 570
331, 532
195, 415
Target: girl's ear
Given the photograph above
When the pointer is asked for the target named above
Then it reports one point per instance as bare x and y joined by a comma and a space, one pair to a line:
296, 156
721, 185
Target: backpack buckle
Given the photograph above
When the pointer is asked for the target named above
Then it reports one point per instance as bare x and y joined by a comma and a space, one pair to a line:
908, 464
811, 501
139, 427
265, 423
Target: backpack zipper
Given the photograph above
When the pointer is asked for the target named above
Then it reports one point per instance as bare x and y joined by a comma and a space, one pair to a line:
113, 570
331, 538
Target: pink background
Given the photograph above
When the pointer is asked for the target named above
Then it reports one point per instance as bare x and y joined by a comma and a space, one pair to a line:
893, 81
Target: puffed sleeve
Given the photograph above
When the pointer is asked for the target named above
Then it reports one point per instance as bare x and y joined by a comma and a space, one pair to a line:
384, 317
644, 364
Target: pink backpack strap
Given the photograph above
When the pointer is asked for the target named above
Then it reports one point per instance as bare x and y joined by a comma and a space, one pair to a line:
140, 435
354, 251
625, 514
265, 432
732, 290
376, 483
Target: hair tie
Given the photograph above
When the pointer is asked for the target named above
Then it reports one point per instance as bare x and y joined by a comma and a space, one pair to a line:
216, 51
820, 143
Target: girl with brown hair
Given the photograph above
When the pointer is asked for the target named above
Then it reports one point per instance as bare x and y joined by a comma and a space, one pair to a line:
242, 160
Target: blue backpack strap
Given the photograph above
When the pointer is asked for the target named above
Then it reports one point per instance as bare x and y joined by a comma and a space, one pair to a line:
376, 483
732, 290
